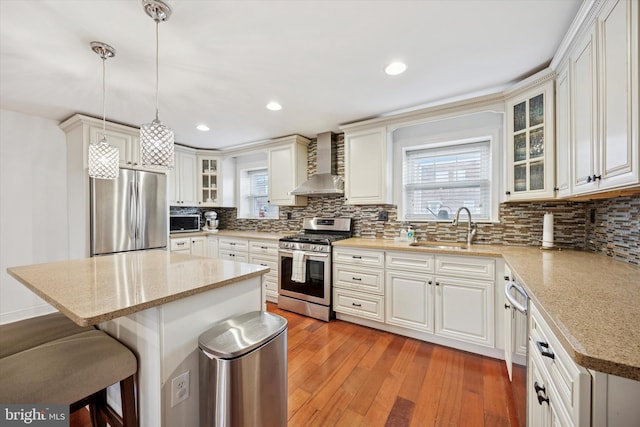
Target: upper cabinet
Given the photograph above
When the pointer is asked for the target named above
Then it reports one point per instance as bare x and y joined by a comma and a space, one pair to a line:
287, 170
181, 183
366, 172
563, 135
603, 70
209, 184
530, 144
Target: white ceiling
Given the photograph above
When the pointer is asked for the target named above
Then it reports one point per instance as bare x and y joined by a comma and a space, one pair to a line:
222, 61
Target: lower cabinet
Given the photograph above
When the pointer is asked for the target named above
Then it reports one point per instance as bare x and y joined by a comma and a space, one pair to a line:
265, 253
189, 245
233, 249
444, 296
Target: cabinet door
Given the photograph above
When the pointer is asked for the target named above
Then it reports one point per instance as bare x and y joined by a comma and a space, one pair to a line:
212, 247
563, 180
208, 183
287, 170
187, 179
464, 310
530, 146
366, 173
198, 246
409, 300
538, 412
583, 113
618, 93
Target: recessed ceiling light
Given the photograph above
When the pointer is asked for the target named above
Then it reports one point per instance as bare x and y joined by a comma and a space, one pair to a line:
395, 68
274, 106
203, 128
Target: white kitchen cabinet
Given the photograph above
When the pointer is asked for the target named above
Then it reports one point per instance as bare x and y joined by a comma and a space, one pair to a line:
358, 283
181, 183
409, 300
464, 310
212, 246
233, 249
287, 163
563, 135
208, 175
188, 245
604, 101
366, 170
530, 144
264, 252
123, 141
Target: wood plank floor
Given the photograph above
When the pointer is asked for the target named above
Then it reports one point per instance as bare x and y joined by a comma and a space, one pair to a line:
341, 374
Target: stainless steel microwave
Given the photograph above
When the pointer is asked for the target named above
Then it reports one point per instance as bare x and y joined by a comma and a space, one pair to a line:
184, 223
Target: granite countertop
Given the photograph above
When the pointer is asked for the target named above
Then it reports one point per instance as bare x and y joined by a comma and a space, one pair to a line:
259, 235
589, 300
93, 290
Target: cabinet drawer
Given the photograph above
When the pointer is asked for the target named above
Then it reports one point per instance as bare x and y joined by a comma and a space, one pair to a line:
182, 243
270, 284
230, 244
370, 280
363, 305
466, 266
263, 247
358, 257
411, 261
234, 256
571, 381
267, 261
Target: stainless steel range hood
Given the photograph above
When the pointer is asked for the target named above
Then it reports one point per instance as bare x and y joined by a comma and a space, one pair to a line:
325, 181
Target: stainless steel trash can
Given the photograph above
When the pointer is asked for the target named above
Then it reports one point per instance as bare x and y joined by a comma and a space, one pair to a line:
243, 372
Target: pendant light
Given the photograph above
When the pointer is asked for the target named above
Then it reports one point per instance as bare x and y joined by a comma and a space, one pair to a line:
104, 159
156, 139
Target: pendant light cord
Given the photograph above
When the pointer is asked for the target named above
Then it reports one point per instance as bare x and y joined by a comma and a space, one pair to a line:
157, 75
104, 97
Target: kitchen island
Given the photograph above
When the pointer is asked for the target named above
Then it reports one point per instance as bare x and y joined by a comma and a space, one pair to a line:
157, 303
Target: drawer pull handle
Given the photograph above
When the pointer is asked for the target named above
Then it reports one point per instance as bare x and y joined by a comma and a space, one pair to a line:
180, 244
263, 247
544, 349
232, 244
542, 398
539, 388
356, 257
507, 306
356, 305
264, 265
357, 278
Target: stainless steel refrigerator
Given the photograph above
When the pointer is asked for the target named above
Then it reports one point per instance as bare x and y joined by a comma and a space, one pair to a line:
128, 213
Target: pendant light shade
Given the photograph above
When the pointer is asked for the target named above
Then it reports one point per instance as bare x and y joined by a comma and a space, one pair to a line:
156, 139
104, 159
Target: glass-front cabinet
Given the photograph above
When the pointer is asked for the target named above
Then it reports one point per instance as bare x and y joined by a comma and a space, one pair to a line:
530, 145
208, 180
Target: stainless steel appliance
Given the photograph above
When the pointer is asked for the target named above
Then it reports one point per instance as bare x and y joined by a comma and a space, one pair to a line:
211, 221
515, 321
128, 213
309, 293
184, 223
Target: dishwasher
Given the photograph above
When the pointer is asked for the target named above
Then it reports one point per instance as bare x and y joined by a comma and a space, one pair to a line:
515, 322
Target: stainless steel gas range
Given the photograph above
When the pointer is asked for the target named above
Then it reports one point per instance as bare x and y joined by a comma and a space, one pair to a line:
304, 273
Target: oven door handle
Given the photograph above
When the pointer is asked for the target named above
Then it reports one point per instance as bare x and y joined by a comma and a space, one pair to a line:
507, 293
308, 254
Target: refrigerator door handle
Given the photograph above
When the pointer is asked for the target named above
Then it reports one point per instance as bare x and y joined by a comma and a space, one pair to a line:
133, 211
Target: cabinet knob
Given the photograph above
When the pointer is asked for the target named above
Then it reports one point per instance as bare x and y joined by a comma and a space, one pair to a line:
437, 283
598, 177
128, 163
507, 306
430, 282
508, 193
556, 189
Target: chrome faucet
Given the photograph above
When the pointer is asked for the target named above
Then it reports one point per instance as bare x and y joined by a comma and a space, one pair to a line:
471, 226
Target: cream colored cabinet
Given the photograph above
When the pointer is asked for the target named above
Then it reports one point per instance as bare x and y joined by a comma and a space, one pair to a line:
409, 300
181, 183
604, 101
127, 143
563, 135
264, 252
358, 283
233, 249
287, 162
367, 173
188, 245
530, 144
208, 175
212, 246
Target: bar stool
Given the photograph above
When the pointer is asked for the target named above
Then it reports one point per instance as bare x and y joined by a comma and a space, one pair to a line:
74, 370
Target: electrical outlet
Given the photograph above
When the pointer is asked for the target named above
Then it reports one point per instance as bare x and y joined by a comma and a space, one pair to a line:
179, 388
383, 216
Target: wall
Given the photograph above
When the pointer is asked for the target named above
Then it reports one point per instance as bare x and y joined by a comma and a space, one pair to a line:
615, 233
33, 205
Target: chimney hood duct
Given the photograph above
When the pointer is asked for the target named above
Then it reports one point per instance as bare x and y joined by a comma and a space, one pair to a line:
325, 181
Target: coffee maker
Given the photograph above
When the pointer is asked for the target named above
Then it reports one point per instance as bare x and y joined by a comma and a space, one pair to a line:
211, 221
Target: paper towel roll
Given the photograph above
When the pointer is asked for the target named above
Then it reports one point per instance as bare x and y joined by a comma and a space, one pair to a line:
547, 230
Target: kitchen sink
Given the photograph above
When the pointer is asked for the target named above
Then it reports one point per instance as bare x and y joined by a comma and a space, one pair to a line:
440, 245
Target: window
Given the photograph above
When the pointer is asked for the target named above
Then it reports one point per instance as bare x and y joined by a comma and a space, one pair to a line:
440, 178
255, 183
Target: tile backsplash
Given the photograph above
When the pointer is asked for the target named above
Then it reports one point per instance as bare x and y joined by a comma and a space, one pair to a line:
615, 231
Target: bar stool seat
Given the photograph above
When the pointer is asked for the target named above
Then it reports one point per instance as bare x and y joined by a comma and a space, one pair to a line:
24, 334
73, 370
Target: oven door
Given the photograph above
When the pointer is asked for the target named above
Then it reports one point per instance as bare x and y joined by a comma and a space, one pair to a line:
317, 285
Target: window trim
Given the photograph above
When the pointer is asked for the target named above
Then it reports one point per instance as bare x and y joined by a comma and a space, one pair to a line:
491, 134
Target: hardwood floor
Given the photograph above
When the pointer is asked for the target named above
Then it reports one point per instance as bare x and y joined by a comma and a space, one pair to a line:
341, 374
